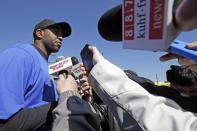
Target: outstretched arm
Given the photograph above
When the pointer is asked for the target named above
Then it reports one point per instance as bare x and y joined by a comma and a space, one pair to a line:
132, 105
73, 113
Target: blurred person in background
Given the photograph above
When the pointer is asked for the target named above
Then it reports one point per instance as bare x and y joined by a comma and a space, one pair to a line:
183, 86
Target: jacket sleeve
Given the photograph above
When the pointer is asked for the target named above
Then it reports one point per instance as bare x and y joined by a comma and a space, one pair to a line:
74, 114
133, 107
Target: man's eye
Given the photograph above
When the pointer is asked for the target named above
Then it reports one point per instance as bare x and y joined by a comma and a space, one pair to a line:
55, 30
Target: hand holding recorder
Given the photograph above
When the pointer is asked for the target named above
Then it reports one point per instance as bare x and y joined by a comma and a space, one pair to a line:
179, 50
90, 56
185, 53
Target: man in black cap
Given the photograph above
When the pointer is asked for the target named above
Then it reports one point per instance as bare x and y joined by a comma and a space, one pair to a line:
48, 35
27, 91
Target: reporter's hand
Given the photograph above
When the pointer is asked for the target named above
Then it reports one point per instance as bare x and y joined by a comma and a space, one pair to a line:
68, 84
82, 68
192, 46
97, 56
85, 90
182, 60
168, 56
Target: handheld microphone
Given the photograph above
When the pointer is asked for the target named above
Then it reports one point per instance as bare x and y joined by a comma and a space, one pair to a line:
61, 66
67, 66
76, 71
77, 74
110, 24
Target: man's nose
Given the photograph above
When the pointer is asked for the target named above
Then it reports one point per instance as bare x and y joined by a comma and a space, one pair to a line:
60, 38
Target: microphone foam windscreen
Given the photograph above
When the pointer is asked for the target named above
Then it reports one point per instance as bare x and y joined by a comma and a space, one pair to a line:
110, 24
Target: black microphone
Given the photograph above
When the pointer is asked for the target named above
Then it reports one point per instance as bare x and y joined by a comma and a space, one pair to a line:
110, 24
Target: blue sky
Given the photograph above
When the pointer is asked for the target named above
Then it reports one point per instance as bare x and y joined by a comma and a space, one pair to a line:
18, 17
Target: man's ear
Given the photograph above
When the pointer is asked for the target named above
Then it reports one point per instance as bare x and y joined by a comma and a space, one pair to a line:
39, 33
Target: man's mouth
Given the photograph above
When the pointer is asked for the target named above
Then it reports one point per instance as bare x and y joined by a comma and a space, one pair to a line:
59, 44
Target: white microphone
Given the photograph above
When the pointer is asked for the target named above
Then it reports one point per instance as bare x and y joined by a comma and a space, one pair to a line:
62, 66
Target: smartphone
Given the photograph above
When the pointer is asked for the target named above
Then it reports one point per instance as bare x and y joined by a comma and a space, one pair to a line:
179, 48
87, 56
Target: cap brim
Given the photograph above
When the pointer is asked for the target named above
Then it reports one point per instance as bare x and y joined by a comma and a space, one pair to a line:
66, 29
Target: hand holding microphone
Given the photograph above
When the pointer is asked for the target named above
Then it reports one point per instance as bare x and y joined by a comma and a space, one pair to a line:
61, 70
85, 90
70, 84
65, 66
66, 84
78, 73
70, 76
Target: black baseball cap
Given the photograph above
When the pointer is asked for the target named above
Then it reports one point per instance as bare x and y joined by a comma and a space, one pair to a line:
46, 23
